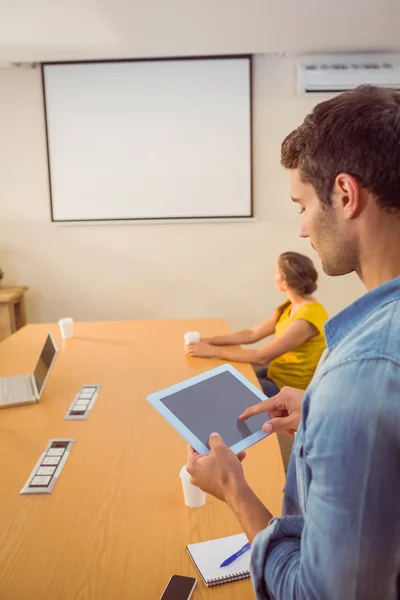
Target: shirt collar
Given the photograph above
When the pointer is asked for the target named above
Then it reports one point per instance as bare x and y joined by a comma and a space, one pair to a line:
349, 318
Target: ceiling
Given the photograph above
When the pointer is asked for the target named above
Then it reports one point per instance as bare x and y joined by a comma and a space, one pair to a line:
38, 30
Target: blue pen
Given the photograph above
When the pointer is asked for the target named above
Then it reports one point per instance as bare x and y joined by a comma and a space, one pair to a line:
230, 559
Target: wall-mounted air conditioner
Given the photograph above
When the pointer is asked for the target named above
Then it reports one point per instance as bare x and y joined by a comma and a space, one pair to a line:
333, 74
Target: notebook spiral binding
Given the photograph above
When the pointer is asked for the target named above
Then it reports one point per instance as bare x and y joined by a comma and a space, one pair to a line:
236, 577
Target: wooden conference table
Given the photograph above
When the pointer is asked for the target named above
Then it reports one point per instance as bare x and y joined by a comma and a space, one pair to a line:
115, 525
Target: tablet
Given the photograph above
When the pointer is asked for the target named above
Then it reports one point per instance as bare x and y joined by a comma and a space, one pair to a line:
212, 402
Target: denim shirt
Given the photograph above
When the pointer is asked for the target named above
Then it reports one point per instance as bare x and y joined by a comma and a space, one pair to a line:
339, 534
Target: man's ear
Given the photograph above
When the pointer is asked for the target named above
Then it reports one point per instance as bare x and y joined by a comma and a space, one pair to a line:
347, 191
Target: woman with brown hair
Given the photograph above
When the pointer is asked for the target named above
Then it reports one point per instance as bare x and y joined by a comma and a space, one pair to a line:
293, 355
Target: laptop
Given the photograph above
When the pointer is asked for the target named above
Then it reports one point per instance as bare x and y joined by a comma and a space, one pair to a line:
27, 389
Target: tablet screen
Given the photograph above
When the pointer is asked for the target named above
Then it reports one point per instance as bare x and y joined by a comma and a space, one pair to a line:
214, 405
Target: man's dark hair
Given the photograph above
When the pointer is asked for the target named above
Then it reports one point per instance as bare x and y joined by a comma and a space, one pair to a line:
358, 133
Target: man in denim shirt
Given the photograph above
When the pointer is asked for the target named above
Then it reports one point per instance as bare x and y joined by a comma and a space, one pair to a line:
339, 534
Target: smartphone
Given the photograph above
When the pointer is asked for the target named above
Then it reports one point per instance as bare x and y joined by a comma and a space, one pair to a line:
179, 588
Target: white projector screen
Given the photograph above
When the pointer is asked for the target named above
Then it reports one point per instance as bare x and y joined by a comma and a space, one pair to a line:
149, 139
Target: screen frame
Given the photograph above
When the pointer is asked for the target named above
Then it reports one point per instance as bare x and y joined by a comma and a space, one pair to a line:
211, 57
156, 400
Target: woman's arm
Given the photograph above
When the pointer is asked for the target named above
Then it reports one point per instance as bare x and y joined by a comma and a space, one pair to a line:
246, 336
298, 332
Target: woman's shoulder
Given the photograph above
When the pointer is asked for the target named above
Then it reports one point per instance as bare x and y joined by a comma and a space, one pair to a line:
315, 308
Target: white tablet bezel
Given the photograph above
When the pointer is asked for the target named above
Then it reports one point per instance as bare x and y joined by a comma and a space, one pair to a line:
156, 401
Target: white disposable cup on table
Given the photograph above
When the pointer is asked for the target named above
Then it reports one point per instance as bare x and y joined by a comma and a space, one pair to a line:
194, 496
66, 327
191, 337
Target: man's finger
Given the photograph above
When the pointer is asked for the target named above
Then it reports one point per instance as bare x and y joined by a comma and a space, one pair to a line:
191, 453
261, 407
241, 455
280, 425
277, 413
267, 427
215, 440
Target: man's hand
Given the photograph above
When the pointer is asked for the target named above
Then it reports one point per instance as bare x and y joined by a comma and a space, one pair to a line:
284, 411
201, 349
219, 472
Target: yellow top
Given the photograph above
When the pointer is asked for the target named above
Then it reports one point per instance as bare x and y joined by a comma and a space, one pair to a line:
296, 368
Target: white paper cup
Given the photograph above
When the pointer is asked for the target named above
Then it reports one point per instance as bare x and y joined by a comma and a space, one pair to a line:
66, 327
191, 337
194, 496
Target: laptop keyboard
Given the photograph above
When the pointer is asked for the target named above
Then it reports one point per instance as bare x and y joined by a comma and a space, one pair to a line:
14, 390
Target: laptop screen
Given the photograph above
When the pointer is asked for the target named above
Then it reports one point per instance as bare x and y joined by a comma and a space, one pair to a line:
44, 363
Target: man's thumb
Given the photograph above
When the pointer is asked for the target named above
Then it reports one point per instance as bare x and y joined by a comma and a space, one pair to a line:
215, 440
279, 424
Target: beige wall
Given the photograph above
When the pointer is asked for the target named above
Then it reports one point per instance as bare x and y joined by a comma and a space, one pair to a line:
150, 271
89, 29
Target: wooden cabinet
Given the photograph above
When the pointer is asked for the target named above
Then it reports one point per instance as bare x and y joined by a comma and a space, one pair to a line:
12, 310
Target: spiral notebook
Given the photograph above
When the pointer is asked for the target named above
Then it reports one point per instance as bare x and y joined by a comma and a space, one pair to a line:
207, 556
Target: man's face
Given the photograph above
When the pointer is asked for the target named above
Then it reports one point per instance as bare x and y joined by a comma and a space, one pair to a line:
328, 231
